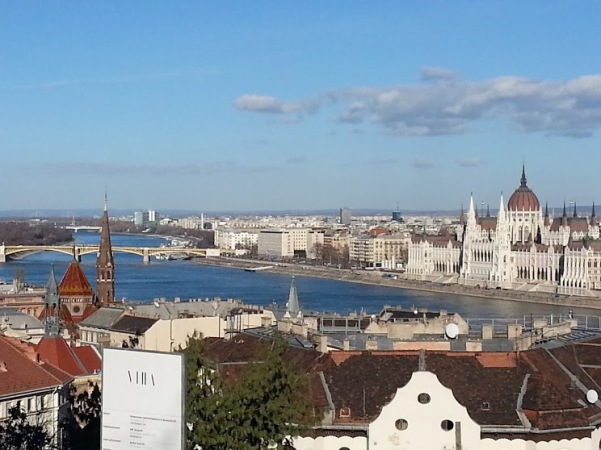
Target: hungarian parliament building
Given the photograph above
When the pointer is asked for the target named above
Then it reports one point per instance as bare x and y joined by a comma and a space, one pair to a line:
523, 248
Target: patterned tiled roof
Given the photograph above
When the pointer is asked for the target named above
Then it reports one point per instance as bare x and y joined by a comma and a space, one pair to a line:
75, 283
64, 314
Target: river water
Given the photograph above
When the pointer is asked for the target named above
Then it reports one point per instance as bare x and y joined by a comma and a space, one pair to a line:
186, 279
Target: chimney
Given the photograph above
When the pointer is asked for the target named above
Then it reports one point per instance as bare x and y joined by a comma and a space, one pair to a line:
371, 344
3, 366
346, 345
487, 331
322, 345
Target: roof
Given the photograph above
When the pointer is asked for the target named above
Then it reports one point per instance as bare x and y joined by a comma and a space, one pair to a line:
89, 357
488, 223
19, 320
523, 199
133, 324
246, 348
22, 372
64, 314
57, 352
498, 389
103, 318
75, 282
201, 308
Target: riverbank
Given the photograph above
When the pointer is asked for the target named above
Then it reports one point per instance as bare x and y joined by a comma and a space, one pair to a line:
375, 278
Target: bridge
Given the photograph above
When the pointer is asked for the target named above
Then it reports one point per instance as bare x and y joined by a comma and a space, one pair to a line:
77, 228
77, 251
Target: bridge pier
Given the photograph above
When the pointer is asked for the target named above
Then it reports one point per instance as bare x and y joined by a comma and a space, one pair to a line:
146, 256
2, 253
76, 254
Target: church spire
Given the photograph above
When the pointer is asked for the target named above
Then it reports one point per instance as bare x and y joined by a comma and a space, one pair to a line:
501, 214
292, 307
564, 216
471, 213
546, 214
523, 180
575, 214
105, 264
52, 323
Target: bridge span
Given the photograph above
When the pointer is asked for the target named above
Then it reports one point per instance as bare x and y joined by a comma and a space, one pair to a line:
77, 228
8, 252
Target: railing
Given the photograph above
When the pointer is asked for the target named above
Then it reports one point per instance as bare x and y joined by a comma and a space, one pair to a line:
499, 325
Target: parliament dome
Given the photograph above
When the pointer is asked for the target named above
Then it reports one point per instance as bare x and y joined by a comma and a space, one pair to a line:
523, 199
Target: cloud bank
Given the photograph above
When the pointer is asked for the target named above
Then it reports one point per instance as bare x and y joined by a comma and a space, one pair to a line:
445, 105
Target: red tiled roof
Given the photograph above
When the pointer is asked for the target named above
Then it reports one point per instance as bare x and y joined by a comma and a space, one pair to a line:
23, 373
56, 372
75, 282
488, 223
57, 352
89, 357
578, 224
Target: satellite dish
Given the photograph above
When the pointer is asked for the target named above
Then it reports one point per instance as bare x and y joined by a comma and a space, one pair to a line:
451, 330
592, 396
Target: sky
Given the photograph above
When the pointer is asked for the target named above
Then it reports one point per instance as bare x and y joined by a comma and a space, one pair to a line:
272, 105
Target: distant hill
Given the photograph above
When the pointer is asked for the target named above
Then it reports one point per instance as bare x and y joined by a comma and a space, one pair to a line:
44, 213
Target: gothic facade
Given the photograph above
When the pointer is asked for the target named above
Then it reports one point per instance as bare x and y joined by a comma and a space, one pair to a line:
523, 248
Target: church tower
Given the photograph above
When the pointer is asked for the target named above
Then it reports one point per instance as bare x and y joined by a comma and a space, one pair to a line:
52, 322
105, 264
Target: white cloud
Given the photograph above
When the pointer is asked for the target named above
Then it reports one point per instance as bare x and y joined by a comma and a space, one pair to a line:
437, 74
423, 163
449, 105
271, 105
470, 162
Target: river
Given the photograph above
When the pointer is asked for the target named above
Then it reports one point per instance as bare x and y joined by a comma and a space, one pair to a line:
186, 279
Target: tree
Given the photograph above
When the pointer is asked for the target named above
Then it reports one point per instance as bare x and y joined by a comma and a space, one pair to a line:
82, 426
16, 433
266, 406
318, 251
272, 401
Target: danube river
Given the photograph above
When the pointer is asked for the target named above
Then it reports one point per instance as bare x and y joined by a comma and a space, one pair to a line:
186, 279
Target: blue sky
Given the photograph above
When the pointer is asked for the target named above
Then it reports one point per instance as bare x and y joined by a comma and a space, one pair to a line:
269, 105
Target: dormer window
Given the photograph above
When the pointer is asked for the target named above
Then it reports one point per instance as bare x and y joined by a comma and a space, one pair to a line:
485, 406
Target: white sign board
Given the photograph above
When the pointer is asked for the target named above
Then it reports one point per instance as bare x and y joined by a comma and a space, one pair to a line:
142, 400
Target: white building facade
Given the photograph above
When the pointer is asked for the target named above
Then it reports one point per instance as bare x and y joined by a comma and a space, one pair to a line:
522, 248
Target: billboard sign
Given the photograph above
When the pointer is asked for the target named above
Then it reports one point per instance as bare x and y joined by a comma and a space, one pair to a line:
143, 396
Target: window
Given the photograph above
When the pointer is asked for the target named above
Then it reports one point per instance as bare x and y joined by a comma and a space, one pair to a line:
401, 424
485, 406
423, 398
29, 405
447, 425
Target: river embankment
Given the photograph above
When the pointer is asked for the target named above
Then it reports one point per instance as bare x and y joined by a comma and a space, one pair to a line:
376, 278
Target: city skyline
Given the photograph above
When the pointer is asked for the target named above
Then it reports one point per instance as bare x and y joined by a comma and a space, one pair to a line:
268, 106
